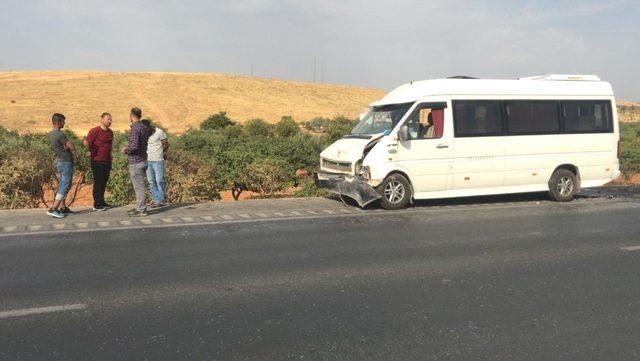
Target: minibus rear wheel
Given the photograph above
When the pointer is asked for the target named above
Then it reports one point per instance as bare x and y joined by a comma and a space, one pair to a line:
395, 192
563, 185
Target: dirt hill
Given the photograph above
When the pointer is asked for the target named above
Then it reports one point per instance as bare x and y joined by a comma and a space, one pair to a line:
177, 100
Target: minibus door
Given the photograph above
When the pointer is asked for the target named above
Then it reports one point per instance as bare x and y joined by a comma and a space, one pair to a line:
425, 148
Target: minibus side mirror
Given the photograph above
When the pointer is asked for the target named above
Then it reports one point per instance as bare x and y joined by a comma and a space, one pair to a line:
403, 134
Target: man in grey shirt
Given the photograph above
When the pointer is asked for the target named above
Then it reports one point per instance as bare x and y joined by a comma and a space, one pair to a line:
62, 148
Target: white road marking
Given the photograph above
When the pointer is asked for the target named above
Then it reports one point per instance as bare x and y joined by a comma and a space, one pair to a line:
82, 225
187, 219
125, 223
37, 310
226, 216
207, 218
146, 221
59, 225
631, 248
9, 228
244, 215
167, 220
34, 227
104, 224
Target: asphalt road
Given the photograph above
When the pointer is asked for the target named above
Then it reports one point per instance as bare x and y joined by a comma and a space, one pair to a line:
542, 281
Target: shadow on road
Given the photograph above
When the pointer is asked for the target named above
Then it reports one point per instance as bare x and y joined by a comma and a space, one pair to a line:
601, 192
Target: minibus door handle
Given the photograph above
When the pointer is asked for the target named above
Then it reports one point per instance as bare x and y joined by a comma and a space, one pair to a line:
442, 146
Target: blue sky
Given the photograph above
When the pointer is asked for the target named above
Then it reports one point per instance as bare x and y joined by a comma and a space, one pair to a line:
367, 43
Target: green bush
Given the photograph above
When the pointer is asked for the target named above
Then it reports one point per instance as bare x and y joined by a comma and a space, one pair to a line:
286, 127
307, 188
267, 176
27, 169
216, 121
316, 124
338, 127
189, 179
119, 187
258, 128
630, 148
221, 155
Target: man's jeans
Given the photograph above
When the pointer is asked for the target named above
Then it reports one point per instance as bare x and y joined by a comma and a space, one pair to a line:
155, 175
137, 174
65, 177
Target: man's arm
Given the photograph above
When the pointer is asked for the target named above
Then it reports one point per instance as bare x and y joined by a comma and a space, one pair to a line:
134, 141
69, 146
91, 137
165, 145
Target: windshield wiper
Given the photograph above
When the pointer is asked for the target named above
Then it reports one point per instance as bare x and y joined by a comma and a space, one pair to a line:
357, 136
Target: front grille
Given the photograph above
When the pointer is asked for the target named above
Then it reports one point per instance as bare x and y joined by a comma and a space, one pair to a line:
335, 165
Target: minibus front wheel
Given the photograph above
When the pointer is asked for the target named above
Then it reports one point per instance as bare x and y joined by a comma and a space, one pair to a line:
395, 191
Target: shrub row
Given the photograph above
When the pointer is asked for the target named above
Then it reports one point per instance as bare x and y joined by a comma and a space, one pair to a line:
220, 155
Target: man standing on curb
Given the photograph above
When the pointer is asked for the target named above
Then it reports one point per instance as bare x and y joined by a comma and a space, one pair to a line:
98, 148
137, 155
156, 148
62, 147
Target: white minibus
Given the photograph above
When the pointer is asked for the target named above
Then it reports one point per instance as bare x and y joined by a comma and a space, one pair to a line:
460, 136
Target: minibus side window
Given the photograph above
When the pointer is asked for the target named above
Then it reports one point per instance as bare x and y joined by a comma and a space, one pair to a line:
532, 117
587, 117
477, 118
426, 123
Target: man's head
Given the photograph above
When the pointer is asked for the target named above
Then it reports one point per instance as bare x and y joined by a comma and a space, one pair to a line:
147, 122
481, 113
105, 120
135, 115
58, 120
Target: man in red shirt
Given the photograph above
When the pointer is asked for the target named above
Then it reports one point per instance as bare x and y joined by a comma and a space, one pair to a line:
98, 146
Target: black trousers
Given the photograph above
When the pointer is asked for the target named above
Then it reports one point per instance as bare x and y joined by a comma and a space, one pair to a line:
101, 171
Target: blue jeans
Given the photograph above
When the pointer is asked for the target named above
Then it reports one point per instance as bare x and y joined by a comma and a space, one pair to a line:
65, 177
155, 175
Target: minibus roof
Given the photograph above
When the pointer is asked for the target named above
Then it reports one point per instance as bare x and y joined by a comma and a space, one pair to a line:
543, 85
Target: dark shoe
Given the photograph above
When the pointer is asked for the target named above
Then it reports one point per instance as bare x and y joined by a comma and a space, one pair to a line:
155, 205
138, 214
66, 211
107, 206
133, 210
55, 213
100, 208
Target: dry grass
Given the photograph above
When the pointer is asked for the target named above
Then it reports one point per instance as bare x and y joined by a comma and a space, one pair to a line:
176, 100
628, 111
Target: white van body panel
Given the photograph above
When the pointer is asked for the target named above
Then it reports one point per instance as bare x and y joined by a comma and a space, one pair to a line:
453, 166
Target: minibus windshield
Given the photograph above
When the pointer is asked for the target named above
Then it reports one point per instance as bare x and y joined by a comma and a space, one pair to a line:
381, 119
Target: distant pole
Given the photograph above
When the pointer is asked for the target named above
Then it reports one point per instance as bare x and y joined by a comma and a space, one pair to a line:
322, 71
314, 69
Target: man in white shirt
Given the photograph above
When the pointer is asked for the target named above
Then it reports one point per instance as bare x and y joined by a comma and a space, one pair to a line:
156, 147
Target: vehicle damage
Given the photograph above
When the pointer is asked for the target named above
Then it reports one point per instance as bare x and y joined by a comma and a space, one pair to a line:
356, 187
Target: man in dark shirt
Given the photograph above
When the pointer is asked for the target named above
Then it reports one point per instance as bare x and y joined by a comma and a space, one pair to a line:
137, 155
62, 147
98, 148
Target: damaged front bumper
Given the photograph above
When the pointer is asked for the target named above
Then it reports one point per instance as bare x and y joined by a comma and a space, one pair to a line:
353, 187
